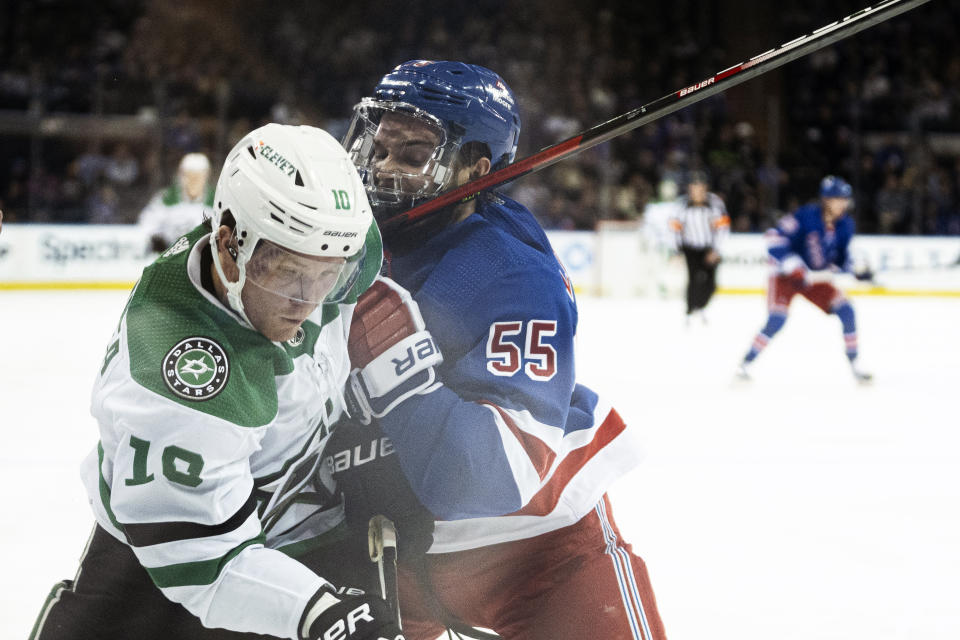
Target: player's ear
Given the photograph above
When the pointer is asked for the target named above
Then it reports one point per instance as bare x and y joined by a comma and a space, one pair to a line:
227, 250
480, 168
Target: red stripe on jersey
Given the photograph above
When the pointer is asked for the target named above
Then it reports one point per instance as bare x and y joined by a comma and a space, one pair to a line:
541, 456
545, 500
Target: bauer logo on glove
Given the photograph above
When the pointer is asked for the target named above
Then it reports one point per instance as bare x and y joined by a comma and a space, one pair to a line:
421, 350
358, 617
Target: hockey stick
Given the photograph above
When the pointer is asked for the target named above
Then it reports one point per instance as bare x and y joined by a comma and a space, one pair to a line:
382, 544
655, 110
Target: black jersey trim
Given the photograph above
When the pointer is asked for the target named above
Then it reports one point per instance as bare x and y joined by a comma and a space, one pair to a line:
147, 534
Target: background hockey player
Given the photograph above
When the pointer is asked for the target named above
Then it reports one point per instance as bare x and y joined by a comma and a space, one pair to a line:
700, 224
181, 206
806, 248
214, 400
499, 442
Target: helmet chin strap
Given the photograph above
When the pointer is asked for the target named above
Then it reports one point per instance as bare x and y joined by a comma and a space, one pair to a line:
234, 289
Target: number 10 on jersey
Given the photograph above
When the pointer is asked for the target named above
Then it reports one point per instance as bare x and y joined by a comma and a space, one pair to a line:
538, 358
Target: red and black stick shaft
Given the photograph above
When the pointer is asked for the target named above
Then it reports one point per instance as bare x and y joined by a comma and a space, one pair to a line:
755, 66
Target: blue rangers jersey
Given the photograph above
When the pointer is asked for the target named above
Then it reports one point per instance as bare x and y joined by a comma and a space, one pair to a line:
803, 237
510, 446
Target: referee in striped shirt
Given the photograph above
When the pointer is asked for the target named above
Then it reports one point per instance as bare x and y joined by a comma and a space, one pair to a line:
700, 225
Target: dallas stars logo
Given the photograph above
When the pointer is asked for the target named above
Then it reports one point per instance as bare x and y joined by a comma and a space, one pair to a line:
297, 339
196, 369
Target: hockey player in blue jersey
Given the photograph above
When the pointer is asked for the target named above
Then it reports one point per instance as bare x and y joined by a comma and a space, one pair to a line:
510, 455
805, 249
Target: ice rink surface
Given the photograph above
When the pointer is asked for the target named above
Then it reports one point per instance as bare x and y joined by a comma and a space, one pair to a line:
798, 506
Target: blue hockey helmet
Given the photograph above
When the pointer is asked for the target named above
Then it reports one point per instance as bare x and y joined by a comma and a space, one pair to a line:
834, 187
454, 106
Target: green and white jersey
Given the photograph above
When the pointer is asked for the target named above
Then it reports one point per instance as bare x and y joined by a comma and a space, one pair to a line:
171, 214
210, 443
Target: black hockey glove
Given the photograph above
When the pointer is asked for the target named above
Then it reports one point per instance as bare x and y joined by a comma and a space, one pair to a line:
368, 473
359, 617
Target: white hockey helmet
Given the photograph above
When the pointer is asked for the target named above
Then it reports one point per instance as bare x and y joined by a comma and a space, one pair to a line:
294, 194
194, 163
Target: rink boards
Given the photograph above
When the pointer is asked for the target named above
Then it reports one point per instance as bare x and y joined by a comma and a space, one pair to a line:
618, 260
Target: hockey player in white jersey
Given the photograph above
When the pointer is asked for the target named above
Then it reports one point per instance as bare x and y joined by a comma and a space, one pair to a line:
180, 207
214, 401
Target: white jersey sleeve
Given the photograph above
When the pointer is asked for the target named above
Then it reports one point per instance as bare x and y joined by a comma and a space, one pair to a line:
169, 216
150, 220
180, 491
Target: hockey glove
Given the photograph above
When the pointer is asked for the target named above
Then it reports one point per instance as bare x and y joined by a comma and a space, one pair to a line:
392, 354
367, 471
358, 617
794, 269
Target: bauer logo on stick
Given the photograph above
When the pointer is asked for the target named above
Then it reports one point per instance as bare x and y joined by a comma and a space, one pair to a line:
196, 369
697, 87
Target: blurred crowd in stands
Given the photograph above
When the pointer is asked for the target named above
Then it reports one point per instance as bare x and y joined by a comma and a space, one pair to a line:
881, 109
